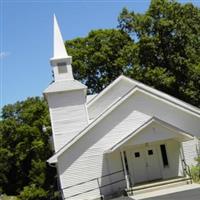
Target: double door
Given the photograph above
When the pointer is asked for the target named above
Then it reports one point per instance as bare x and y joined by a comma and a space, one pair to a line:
145, 162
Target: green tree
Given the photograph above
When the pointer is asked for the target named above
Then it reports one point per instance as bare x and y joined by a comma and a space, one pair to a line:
160, 48
167, 47
25, 149
97, 58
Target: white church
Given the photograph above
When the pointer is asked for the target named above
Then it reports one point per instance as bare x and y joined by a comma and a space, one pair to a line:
127, 138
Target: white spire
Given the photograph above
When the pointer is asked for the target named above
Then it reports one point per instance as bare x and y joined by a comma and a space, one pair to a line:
59, 47
60, 62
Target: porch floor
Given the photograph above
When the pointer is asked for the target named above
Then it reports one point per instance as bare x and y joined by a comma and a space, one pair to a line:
158, 184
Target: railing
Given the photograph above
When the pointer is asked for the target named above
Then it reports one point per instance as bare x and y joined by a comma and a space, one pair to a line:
98, 182
186, 167
187, 170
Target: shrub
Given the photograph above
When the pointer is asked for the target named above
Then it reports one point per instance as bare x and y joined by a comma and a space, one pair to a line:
32, 193
195, 171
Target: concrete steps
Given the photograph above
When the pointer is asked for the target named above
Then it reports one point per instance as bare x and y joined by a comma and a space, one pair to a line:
158, 185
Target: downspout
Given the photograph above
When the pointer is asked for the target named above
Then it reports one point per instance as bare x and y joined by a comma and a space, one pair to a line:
58, 180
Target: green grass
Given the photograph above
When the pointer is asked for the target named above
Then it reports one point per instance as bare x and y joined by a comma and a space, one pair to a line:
5, 197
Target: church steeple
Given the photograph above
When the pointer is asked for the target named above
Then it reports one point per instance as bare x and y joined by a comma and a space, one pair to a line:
59, 50
61, 61
66, 97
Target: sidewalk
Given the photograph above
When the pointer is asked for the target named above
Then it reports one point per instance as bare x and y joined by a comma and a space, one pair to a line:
186, 192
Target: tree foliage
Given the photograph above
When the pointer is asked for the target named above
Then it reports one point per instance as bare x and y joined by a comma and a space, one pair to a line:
25, 149
168, 45
160, 48
97, 58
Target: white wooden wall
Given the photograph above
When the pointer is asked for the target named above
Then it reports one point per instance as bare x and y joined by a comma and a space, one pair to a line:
175, 166
152, 133
163, 110
68, 115
85, 159
115, 164
102, 103
190, 149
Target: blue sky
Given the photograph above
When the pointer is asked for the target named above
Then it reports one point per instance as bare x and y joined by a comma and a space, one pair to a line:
26, 37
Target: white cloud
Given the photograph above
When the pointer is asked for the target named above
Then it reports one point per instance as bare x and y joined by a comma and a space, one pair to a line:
4, 54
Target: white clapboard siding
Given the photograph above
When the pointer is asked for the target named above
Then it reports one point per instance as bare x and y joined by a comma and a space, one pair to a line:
75, 111
76, 190
169, 113
173, 153
148, 104
68, 124
86, 196
154, 132
68, 115
114, 164
70, 98
87, 160
190, 149
117, 91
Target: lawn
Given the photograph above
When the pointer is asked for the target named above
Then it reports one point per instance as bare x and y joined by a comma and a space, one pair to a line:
5, 197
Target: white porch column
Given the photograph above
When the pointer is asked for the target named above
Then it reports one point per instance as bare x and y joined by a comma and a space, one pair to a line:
185, 166
125, 171
182, 157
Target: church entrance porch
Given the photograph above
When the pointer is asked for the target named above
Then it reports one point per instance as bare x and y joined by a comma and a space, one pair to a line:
146, 167
151, 153
153, 161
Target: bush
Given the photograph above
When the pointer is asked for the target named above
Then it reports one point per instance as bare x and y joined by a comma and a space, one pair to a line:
195, 171
32, 193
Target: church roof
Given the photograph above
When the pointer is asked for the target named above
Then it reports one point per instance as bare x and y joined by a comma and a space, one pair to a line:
180, 134
157, 93
61, 86
138, 87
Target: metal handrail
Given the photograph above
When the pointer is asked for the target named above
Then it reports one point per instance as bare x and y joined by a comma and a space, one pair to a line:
92, 179
81, 193
99, 186
112, 183
187, 169
185, 166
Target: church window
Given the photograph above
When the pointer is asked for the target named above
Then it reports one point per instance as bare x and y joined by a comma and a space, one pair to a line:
62, 68
164, 155
137, 154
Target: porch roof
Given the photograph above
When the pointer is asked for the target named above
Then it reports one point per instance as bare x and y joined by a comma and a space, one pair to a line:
175, 133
